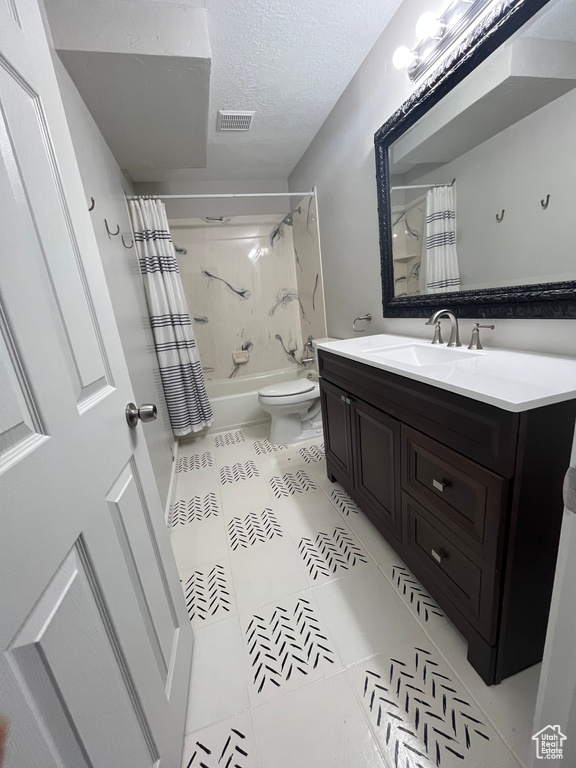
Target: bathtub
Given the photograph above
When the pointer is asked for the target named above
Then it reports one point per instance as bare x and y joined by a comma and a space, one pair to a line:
235, 401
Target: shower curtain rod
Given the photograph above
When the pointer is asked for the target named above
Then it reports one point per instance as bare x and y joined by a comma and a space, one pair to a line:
233, 194
424, 186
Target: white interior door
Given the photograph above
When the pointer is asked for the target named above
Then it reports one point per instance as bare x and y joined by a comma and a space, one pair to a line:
95, 645
556, 704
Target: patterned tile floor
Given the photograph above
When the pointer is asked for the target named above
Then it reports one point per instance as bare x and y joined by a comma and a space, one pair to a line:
315, 647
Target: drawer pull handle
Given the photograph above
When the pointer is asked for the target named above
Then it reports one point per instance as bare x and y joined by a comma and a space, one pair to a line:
438, 485
345, 399
438, 556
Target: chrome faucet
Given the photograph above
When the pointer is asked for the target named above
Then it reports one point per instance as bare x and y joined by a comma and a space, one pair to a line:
309, 346
434, 320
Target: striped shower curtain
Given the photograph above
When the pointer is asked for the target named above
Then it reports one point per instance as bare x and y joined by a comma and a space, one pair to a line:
180, 366
441, 259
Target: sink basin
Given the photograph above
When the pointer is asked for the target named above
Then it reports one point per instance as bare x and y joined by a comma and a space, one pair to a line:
420, 355
514, 381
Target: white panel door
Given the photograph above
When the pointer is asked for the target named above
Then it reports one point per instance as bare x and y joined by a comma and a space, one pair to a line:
556, 703
95, 644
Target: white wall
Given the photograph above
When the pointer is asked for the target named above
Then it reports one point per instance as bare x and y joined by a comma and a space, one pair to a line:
340, 161
103, 180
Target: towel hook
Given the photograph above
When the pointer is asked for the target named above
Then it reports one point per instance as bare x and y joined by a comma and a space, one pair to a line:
499, 218
367, 317
544, 203
124, 244
113, 234
92, 204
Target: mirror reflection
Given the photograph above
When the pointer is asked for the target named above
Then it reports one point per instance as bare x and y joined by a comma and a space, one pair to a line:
483, 187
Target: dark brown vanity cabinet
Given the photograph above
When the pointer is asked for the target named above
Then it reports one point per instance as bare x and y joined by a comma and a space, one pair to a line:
468, 494
376, 453
336, 419
363, 445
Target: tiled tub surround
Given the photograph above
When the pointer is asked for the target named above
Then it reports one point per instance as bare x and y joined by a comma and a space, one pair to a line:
248, 292
314, 644
306, 241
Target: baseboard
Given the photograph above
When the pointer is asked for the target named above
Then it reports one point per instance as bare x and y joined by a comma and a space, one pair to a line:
172, 483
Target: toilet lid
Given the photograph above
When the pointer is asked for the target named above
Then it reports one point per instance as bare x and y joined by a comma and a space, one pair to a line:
284, 388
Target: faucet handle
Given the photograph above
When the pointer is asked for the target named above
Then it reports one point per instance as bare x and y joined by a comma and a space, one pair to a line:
437, 333
475, 342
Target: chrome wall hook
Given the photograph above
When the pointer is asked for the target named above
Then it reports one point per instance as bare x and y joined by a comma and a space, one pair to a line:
112, 234
499, 218
92, 204
545, 203
124, 244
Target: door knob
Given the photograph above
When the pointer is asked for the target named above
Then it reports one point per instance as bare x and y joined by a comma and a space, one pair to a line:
146, 412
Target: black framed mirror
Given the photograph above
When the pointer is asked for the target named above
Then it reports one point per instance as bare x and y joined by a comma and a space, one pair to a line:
473, 166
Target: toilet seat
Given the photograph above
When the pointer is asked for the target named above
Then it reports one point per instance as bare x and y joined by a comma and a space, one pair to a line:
287, 388
295, 398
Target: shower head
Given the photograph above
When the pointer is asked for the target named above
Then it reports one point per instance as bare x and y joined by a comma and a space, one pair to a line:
289, 216
288, 219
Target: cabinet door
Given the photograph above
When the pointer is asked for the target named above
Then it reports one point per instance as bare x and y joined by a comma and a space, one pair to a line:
337, 431
377, 466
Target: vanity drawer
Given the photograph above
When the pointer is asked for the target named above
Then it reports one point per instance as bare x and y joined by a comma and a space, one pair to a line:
450, 568
469, 499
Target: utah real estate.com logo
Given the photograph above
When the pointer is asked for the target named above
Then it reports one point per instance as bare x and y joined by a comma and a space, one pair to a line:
549, 743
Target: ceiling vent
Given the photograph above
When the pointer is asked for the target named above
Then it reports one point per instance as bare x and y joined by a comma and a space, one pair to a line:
229, 120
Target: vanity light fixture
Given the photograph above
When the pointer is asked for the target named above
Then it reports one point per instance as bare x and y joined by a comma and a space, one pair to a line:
430, 26
404, 58
436, 32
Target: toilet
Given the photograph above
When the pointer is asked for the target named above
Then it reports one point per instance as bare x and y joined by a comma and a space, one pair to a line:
294, 407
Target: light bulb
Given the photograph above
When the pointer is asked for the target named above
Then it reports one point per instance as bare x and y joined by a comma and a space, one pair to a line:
403, 57
428, 25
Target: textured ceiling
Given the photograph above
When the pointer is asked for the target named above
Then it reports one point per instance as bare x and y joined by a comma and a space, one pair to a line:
287, 60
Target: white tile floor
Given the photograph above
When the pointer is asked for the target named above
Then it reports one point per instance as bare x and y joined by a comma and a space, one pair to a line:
315, 647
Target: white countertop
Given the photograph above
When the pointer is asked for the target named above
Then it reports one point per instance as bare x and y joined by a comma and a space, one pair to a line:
514, 381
